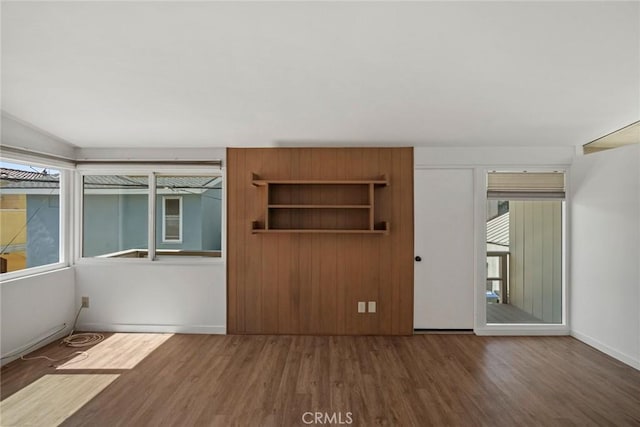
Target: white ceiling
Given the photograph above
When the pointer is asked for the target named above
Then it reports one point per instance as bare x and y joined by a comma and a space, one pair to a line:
170, 74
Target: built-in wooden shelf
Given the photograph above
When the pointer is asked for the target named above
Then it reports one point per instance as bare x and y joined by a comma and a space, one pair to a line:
382, 228
262, 182
320, 206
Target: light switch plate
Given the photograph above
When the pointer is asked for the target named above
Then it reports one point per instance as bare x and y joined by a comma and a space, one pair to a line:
362, 308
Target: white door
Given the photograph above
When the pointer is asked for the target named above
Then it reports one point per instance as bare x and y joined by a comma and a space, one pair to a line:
444, 249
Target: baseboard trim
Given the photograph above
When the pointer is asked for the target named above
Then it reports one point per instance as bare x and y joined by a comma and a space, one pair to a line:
31, 345
600, 346
176, 329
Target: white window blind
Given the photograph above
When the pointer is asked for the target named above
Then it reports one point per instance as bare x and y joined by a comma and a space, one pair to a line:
528, 185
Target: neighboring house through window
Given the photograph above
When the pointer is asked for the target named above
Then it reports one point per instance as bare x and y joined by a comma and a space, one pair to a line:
149, 214
30, 216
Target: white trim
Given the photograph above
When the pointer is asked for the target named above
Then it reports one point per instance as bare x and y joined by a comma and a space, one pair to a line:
566, 249
480, 235
150, 154
40, 341
131, 169
223, 223
78, 216
33, 271
162, 259
564, 263
623, 357
31, 142
151, 218
64, 213
35, 158
153, 328
164, 219
64, 217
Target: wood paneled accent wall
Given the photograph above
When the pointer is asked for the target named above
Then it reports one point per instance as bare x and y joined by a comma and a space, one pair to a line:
310, 283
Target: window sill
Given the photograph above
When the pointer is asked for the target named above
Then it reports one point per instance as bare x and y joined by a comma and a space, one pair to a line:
164, 260
33, 271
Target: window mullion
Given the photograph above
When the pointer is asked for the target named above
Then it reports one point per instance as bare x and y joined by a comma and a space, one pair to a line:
180, 236
152, 216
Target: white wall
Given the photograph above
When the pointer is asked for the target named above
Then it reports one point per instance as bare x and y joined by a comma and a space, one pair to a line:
153, 297
605, 243
34, 307
160, 153
183, 295
503, 157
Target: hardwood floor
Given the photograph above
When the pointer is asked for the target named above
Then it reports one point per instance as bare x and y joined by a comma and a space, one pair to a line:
418, 380
49, 400
120, 351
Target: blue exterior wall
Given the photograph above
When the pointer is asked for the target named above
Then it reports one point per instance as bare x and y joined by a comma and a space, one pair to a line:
114, 223
134, 221
211, 226
43, 229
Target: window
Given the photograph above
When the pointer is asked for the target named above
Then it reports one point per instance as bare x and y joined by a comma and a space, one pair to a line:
525, 231
115, 216
30, 216
172, 219
123, 217
189, 215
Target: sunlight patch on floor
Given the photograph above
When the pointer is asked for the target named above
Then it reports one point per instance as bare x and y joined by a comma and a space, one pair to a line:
119, 351
51, 399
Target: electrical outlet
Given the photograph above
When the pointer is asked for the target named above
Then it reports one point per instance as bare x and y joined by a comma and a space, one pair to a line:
85, 302
362, 308
372, 306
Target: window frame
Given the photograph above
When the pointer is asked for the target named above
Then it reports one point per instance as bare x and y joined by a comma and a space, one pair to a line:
164, 219
65, 215
152, 171
481, 327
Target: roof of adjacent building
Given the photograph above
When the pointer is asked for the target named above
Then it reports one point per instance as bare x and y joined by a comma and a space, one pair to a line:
14, 178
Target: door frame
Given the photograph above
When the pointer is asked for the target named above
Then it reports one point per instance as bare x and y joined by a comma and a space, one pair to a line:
480, 206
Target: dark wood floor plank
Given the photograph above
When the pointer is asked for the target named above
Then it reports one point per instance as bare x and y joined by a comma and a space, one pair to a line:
194, 380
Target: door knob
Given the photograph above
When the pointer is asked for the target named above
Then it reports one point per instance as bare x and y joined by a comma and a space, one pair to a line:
418, 259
